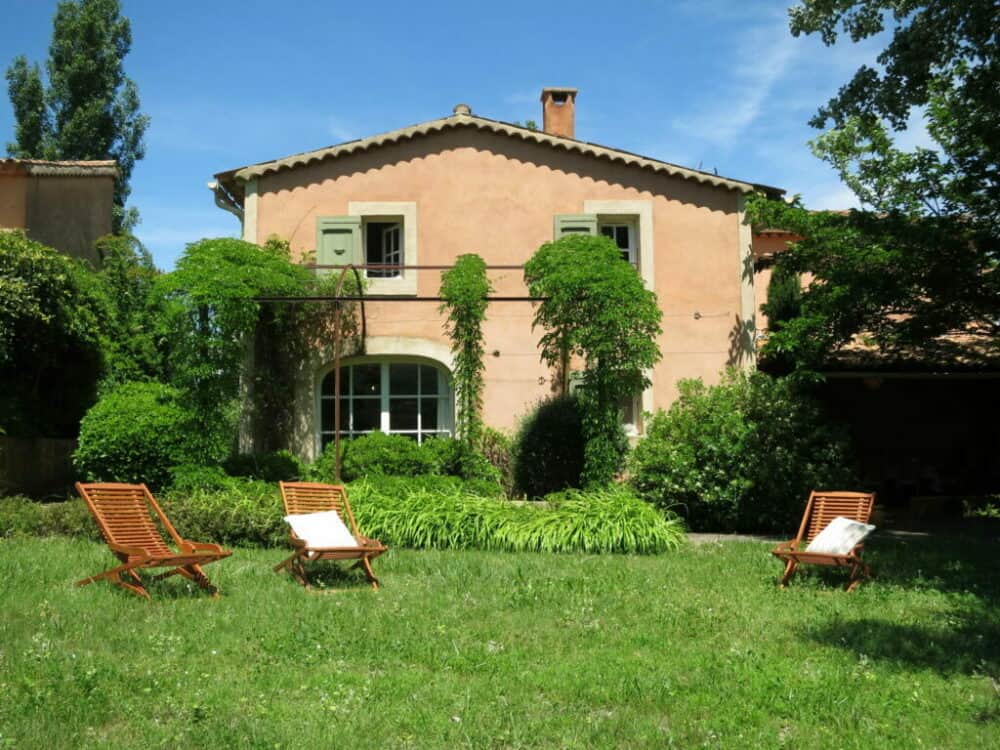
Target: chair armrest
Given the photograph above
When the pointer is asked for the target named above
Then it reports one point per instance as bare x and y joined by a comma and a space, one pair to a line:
129, 551
201, 546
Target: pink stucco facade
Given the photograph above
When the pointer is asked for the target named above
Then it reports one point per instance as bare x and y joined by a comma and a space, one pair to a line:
487, 193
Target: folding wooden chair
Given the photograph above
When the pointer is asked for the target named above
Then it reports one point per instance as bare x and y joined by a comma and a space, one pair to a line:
313, 497
123, 514
822, 508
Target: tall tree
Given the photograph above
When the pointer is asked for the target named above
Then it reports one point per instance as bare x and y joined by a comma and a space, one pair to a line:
90, 109
942, 63
922, 259
27, 95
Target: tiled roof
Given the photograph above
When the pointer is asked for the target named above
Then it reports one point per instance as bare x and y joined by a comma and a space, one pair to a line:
78, 168
462, 120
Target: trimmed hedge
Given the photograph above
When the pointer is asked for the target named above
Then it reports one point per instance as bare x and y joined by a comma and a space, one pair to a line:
378, 454
277, 466
22, 516
548, 448
425, 512
137, 432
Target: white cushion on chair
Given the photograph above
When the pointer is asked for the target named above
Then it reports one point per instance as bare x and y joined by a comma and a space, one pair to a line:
840, 536
325, 529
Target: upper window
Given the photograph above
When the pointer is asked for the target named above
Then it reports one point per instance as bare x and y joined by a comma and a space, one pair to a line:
620, 229
384, 246
623, 235
403, 397
382, 234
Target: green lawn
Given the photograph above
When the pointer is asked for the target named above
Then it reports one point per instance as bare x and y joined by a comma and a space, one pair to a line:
485, 650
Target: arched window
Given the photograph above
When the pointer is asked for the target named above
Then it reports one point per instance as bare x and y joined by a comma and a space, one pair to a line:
405, 397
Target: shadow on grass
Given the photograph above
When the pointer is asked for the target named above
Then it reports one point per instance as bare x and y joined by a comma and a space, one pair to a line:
328, 575
949, 564
960, 640
964, 643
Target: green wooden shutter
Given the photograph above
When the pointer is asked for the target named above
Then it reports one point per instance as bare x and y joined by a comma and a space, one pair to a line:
574, 224
338, 241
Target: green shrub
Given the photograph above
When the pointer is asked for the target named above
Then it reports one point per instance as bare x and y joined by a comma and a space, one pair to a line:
194, 477
444, 455
245, 512
740, 456
498, 448
433, 483
23, 516
604, 521
20, 515
136, 432
548, 448
376, 454
278, 466
451, 457
424, 512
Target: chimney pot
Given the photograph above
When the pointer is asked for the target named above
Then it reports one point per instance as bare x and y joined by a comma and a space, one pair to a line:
559, 111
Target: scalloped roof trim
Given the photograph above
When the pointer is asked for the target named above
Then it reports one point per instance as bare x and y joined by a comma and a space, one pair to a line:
254, 171
77, 168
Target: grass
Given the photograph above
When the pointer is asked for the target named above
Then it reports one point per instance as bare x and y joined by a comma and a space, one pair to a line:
695, 648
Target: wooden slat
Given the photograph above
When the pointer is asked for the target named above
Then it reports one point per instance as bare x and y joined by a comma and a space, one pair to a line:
123, 513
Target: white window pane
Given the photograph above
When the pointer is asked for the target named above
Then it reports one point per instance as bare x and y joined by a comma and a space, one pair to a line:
403, 379
429, 408
367, 380
428, 380
402, 414
367, 414
621, 237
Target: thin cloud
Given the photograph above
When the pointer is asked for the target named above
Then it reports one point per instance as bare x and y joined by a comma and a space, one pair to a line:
341, 131
832, 197
766, 54
527, 96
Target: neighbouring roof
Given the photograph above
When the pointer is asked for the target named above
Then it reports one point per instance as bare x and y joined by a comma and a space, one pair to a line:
232, 180
41, 167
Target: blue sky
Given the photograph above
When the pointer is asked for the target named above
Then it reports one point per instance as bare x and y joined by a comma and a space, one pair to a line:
710, 84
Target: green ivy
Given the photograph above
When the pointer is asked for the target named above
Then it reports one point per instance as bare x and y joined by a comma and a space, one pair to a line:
211, 315
596, 307
465, 289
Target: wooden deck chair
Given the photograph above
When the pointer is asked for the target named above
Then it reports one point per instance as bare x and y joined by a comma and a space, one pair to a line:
313, 497
123, 513
822, 508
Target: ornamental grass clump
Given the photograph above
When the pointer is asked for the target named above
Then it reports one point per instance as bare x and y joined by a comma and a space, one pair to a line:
609, 520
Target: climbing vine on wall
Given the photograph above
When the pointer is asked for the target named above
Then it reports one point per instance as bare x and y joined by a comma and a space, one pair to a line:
464, 289
214, 321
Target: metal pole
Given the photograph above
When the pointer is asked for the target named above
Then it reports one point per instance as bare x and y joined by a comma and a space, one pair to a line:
336, 357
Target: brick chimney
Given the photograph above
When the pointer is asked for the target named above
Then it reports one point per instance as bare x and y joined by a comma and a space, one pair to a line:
558, 111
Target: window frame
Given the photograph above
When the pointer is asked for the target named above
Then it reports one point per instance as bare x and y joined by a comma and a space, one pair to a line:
445, 398
404, 212
397, 225
630, 223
